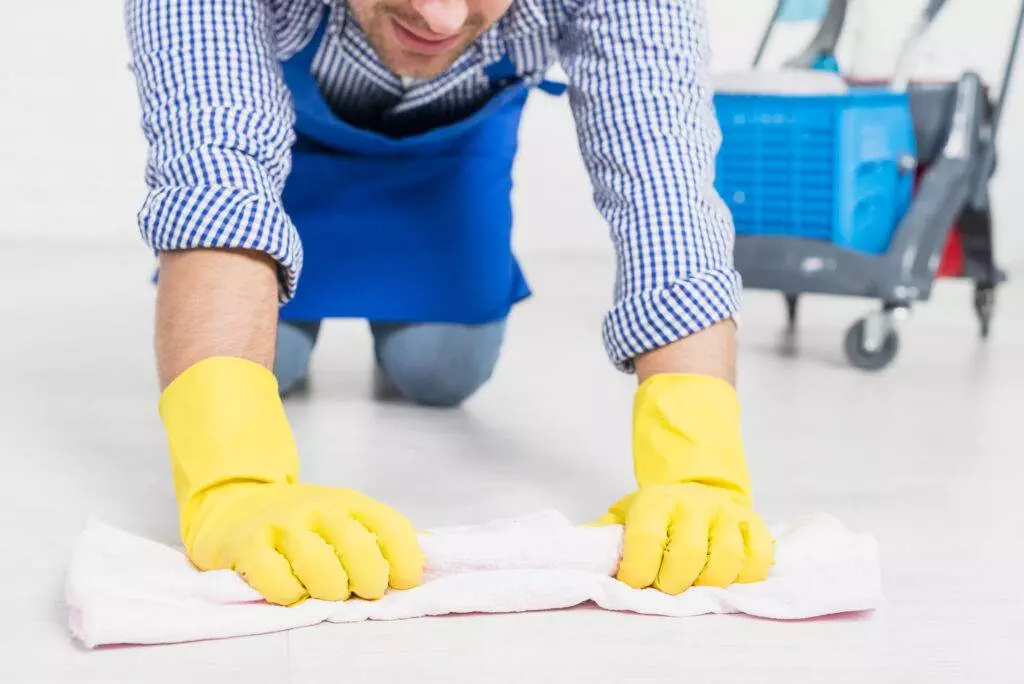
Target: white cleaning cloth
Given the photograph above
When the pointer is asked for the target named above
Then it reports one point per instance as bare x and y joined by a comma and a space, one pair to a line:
123, 589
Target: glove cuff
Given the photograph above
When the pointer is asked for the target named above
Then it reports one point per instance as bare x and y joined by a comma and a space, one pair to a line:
686, 428
225, 423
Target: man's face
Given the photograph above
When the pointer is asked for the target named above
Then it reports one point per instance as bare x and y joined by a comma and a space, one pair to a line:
422, 38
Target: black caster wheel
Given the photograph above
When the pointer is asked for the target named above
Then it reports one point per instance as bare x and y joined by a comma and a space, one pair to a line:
984, 305
792, 306
865, 358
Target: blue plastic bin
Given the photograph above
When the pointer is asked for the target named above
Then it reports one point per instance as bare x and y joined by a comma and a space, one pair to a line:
821, 167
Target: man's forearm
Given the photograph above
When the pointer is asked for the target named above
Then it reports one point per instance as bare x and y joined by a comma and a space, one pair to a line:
214, 303
709, 352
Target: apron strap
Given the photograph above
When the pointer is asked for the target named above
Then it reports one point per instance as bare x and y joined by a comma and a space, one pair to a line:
503, 73
553, 88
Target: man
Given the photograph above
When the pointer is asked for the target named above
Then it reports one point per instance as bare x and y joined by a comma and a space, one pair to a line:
376, 138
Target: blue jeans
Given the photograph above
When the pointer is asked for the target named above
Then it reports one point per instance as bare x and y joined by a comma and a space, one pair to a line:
435, 364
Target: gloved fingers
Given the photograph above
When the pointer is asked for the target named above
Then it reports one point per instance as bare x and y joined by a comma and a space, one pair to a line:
268, 572
726, 554
315, 564
357, 549
644, 539
687, 550
397, 540
759, 547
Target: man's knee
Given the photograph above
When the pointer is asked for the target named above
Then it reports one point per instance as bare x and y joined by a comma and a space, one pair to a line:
295, 342
438, 364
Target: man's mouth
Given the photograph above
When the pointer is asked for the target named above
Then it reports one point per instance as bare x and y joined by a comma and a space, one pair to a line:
417, 43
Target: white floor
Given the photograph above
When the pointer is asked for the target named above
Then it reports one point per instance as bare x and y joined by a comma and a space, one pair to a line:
927, 456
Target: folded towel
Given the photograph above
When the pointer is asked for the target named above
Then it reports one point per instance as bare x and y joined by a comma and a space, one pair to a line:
123, 589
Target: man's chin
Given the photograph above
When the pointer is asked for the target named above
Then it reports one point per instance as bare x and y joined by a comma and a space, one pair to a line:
422, 68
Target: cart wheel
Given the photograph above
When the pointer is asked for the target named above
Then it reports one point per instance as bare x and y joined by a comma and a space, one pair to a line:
792, 304
863, 357
984, 304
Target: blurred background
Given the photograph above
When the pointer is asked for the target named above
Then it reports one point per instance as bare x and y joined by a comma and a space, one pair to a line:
70, 111
924, 455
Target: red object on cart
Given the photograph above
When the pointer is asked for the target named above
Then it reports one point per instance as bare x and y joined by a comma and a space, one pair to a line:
951, 265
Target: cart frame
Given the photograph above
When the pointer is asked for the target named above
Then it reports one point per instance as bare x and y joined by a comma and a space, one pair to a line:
956, 126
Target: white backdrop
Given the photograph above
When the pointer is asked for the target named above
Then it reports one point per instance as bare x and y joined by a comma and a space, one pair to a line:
71, 156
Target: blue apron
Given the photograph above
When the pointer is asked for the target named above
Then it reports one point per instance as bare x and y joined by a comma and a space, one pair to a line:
409, 229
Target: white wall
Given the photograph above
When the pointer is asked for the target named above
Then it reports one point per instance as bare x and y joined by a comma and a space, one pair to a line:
71, 156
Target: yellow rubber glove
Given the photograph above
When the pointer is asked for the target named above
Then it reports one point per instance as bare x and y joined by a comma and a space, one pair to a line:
691, 521
242, 508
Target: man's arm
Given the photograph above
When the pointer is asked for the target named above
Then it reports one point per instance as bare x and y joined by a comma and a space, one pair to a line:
709, 352
640, 93
214, 303
642, 100
219, 121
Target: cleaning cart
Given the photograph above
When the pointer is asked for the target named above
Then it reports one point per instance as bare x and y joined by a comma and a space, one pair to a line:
871, 192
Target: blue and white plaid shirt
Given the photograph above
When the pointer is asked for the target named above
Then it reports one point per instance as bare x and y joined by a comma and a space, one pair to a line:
219, 121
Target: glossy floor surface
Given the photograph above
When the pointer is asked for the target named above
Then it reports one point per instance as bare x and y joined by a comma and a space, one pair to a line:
926, 456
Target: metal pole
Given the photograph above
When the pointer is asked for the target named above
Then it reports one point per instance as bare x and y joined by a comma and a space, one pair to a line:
905, 64
933, 9
826, 39
1011, 63
980, 199
776, 13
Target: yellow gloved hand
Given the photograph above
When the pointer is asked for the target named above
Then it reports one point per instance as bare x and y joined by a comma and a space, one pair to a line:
691, 521
242, 508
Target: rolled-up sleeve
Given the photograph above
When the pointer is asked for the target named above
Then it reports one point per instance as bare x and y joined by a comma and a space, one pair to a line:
219, 120
641, 96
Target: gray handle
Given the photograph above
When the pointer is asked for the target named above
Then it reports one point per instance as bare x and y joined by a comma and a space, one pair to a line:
943, 192
763, 45
979, 200
825, 41
905, 63
933, 9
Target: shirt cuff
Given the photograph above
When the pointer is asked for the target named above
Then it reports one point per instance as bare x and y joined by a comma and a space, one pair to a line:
649, 320
177, 218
